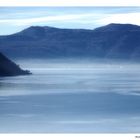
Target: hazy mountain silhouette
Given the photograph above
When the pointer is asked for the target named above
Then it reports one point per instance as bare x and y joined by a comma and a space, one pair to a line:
120, 41
9, 68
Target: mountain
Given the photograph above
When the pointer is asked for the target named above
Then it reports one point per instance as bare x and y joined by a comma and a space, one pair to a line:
113, 41
9, 68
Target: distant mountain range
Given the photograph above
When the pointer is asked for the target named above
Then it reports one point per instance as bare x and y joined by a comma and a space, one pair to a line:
113, 41
9, 68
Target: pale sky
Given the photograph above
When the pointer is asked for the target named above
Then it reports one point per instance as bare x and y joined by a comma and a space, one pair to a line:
14, 19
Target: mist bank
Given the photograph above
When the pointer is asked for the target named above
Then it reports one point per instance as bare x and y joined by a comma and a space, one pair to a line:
73, 61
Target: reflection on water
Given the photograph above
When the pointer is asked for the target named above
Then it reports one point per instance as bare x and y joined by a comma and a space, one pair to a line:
72, 97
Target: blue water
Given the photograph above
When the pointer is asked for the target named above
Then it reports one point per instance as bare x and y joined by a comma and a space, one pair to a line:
72, 97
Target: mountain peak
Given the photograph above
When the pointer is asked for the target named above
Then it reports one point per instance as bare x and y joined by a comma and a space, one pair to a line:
41, 27
118, 27
36, 31
38, 28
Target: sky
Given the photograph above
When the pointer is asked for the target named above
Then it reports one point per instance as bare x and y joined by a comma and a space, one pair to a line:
15, 19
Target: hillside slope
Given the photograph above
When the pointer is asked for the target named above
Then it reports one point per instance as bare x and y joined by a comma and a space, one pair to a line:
9, 68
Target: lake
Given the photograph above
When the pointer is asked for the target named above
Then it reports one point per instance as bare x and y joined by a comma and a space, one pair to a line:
71, 97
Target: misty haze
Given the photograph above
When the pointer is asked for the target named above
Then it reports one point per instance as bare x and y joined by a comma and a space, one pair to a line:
78, 74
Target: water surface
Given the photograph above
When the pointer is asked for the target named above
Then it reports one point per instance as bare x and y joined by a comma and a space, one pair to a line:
71, 97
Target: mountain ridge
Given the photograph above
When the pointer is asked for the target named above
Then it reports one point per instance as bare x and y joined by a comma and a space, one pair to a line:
119, 41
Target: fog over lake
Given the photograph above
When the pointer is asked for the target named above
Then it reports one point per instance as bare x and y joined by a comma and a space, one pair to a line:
71, 97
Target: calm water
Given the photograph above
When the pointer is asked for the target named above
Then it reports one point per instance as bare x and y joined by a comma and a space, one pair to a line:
72, 97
